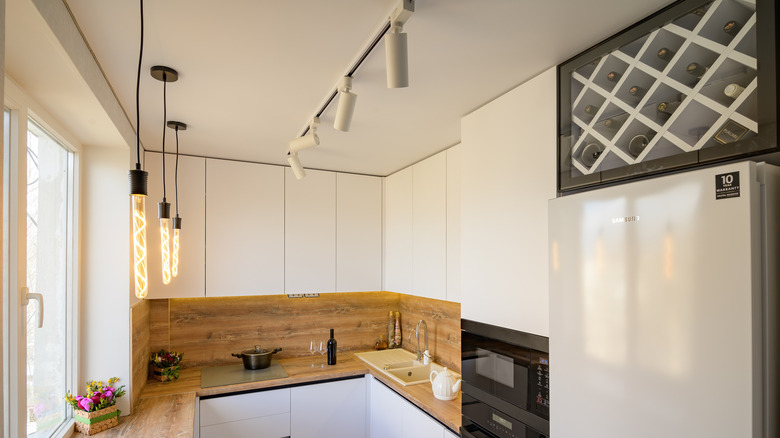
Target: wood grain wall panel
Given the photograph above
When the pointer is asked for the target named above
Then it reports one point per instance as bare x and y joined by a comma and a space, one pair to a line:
159, 325
208, 330
140, 332
443, 320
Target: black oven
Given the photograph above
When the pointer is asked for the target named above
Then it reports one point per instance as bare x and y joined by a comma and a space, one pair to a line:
506, 382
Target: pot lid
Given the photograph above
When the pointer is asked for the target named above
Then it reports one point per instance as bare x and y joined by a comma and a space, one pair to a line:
254, 350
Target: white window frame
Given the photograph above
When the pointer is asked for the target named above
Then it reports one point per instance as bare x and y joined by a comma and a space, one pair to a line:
22, 109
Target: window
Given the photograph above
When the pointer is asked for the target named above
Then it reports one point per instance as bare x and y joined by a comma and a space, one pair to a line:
38, 259
49, 188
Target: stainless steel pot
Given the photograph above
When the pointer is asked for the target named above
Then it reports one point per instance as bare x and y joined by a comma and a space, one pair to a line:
256, 358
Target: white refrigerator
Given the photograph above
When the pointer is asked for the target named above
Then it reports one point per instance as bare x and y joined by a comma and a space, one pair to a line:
664, 307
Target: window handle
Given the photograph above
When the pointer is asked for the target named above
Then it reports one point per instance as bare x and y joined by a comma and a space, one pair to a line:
27, 296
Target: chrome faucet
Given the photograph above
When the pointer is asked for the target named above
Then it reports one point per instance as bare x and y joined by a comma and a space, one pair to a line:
417, 335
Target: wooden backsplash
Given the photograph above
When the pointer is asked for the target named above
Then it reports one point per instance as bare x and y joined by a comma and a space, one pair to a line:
208, 330
140, 333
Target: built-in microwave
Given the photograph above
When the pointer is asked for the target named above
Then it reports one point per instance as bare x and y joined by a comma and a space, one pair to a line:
506, 382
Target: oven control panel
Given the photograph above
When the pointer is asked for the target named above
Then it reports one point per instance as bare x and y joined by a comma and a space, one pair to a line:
540, 372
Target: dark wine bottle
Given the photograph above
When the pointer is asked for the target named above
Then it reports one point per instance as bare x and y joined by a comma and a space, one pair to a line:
666, 109
665, 53
613, 76
613, 124
732, 28
591, 153
637, 91
591, 110
696, 69
331, 349
701, 11
639, 142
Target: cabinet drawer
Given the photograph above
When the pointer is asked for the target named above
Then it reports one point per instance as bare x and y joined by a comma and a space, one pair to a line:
245, 406
272, 426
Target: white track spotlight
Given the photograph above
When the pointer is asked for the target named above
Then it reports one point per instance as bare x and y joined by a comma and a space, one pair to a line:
397, 57
396, 53
307, 141
295, 164
346, 108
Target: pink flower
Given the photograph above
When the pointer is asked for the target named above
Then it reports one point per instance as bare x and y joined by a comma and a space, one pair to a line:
85, 403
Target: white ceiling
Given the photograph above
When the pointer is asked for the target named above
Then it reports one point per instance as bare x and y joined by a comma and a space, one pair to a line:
252, 73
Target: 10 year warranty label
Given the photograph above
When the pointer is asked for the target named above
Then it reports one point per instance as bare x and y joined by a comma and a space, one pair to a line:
727, 185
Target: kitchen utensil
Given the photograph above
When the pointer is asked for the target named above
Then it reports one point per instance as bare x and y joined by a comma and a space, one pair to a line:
444, 385
256, 358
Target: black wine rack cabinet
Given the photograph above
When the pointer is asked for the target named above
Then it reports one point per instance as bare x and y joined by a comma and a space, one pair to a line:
692, 84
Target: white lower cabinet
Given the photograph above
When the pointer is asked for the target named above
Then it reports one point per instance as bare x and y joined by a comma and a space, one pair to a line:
352, 408
264, 414
332, 409
385, 411
392, 416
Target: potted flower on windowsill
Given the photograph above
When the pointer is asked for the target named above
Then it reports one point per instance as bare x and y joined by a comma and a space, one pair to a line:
164, 365
96, 411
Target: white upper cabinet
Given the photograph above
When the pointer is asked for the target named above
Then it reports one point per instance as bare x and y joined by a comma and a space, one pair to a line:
358, 233
429, 228
190, 281
244, 229
453, 223
508, 175
398, 232
310, 232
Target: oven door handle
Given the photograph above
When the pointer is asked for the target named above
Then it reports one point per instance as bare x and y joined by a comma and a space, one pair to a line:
465, 434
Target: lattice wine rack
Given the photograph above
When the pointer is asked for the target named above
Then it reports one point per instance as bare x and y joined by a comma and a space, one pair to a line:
686, 92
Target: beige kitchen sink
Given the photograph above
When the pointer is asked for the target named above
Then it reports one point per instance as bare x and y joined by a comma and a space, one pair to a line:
400, 365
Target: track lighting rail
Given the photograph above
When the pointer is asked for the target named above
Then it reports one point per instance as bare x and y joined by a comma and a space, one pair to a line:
399, 15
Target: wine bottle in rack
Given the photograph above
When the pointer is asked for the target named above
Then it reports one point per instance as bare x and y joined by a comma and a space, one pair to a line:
701, 11
733, 90
637, 91
613, 124
639, 142
613, 76
591, 110
696, 69
732, 28
665, 53
590, 153
666, 109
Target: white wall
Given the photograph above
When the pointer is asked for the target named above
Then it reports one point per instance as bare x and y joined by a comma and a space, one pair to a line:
104, 341
508, 174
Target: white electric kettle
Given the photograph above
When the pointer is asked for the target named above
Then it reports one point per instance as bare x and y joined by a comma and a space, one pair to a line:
444, 385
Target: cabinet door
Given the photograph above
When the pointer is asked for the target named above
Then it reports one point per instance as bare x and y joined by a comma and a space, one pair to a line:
310, 232
429, 231
358, 233
504, 206
449, 434
385, 411
190, 281
272, 426
333, 409
417, 423
453, 223
244, 228
398, 232
244, 406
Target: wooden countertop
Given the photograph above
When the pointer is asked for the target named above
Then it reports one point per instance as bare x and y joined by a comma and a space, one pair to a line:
168, 409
